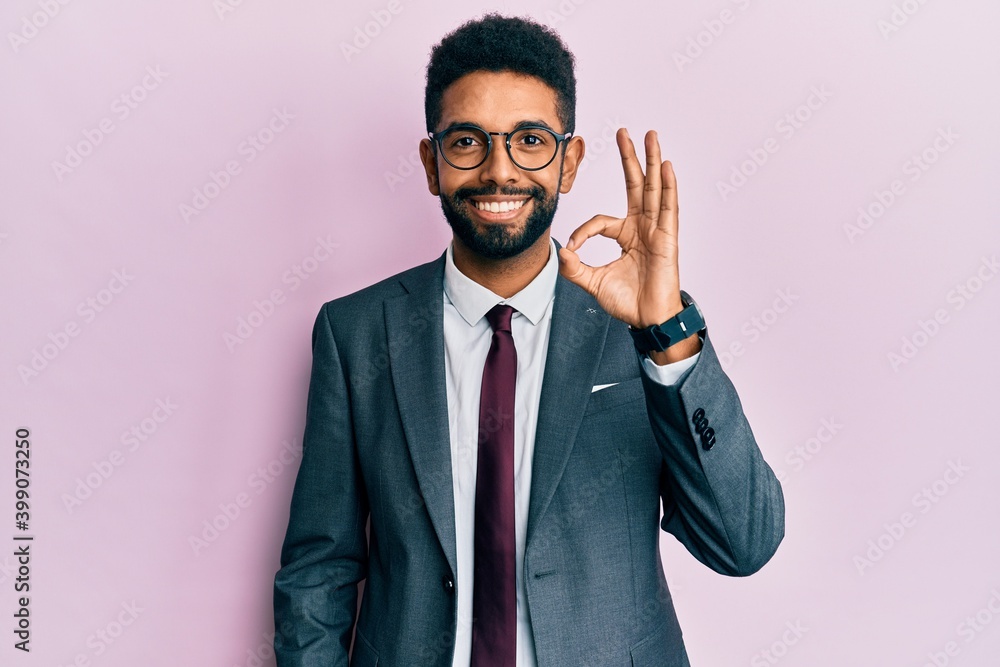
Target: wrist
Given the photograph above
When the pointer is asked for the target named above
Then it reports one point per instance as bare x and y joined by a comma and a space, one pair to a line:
671, 309
676, 352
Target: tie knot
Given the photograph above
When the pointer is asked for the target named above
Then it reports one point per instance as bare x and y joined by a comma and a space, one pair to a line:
499, 317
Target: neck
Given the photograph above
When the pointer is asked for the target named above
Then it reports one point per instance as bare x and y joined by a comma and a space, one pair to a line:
505, 277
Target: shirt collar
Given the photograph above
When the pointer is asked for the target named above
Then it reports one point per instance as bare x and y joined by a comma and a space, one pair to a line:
473, 301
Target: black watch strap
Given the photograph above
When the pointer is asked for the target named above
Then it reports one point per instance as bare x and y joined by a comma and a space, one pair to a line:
659, 337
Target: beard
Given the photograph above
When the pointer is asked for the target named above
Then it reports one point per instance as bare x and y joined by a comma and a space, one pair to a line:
500, 241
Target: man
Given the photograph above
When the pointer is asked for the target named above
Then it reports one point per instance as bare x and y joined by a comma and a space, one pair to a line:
511, 419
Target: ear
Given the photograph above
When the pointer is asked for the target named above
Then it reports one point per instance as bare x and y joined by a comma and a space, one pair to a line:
574, 152
429, 159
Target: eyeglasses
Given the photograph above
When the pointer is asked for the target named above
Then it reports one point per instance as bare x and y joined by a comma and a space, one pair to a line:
531, 147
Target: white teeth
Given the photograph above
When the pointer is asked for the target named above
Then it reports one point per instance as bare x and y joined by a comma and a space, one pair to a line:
499, 207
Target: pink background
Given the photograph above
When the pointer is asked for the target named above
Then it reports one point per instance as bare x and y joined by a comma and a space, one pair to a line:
336, 174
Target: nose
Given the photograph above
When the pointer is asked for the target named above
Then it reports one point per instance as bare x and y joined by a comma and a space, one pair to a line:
498, 167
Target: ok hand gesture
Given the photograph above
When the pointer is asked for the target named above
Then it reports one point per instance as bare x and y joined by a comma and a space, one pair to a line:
642, 287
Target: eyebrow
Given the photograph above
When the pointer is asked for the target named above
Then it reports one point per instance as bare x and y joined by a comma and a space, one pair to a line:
517, 126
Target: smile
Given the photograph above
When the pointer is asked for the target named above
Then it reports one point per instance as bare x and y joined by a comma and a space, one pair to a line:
499, 206
498, 210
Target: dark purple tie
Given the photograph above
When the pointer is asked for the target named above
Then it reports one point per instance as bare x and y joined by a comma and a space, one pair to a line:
494, 594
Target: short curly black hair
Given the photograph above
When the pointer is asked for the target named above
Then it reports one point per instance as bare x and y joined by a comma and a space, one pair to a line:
499, 43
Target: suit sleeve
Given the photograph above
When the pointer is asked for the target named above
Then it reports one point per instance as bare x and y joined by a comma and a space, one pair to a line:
325, 551
720, 498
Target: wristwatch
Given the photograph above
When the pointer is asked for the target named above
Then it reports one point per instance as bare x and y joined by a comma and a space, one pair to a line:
659, 337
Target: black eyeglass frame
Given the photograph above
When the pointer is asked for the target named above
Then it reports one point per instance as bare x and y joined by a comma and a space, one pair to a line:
436, 139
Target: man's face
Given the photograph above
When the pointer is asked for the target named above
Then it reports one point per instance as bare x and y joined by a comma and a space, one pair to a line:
496, 102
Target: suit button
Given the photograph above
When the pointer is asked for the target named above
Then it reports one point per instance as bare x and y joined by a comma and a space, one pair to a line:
699, 426
449, 585
698, 414
707, 438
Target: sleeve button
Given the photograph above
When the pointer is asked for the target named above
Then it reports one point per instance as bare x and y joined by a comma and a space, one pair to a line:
707, 439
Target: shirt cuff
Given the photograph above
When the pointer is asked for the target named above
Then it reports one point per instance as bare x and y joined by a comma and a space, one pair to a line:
668, 374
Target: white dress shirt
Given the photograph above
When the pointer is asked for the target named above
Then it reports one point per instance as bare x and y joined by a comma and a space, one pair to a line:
467, 337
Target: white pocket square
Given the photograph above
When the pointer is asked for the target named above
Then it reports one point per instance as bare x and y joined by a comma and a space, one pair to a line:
598, 387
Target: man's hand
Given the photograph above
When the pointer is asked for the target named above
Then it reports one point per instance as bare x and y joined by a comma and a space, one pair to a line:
642, 287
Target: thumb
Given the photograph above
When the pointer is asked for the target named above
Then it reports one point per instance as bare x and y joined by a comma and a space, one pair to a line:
574, 270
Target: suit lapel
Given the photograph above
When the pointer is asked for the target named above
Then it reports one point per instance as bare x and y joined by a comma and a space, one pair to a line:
415, 331
576, 343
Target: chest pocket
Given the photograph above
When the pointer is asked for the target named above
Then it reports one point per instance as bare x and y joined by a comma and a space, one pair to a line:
620, 394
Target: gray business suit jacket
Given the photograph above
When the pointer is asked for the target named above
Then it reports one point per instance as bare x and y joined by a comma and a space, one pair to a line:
376, 445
